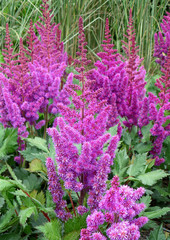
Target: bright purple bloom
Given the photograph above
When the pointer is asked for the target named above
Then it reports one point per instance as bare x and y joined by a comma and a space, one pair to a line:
56, 191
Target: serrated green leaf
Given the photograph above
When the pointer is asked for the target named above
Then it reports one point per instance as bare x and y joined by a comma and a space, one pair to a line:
151, 178
26, 213
5, 184
3, 169
157, 213
9, 144
4, 220
143, 147
38, 196
137, 166
36, 166
19, 193
162, 191
32, 182
113, 130
75, 224
51, 230
127, 138
39, 143
146, 132
157, 234
73, 235
133, 132
122, 158
32, 153
17, 181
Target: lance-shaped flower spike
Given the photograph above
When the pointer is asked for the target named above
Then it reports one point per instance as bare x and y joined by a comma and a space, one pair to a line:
56, 191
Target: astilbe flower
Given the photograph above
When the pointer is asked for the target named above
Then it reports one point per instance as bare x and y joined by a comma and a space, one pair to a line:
82, 163
31, 81
56, 191
136, 102
110, 77
162, 41
118, 208
49, 63
158, 131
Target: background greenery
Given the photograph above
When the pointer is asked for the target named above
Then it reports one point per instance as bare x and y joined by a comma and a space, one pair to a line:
147, 15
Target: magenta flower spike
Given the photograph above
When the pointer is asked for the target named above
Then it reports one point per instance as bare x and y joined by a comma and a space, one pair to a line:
82, 163
162, 41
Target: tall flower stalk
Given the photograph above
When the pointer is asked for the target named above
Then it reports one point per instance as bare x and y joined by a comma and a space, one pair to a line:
82, 163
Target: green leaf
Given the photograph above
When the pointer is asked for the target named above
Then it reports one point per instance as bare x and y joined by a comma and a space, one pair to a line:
75, 224
26, 213
127, 138
151, 178
143, 147
9, 144
146, 132
73, 235
122, 158
37, 166
157, 213
162, 191
38, 196
121, 163
10, 236
4, 220
113, 130
51, 230
17, 181
146, 200
31, 153
133, 132
157, 234
32, 182
2, 201
138, 165
5, 184
39, 143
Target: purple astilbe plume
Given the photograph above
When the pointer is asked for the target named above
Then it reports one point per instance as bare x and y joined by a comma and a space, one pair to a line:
31, 81
136, 104
82, 163
158, 131
110, 76
49, 64
56, 191
118, 208
162, 41
136, 73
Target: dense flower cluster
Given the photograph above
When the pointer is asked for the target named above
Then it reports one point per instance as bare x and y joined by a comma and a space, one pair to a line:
56, 191
161, 129
82, 163
162, 41
31, 81
119, 209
